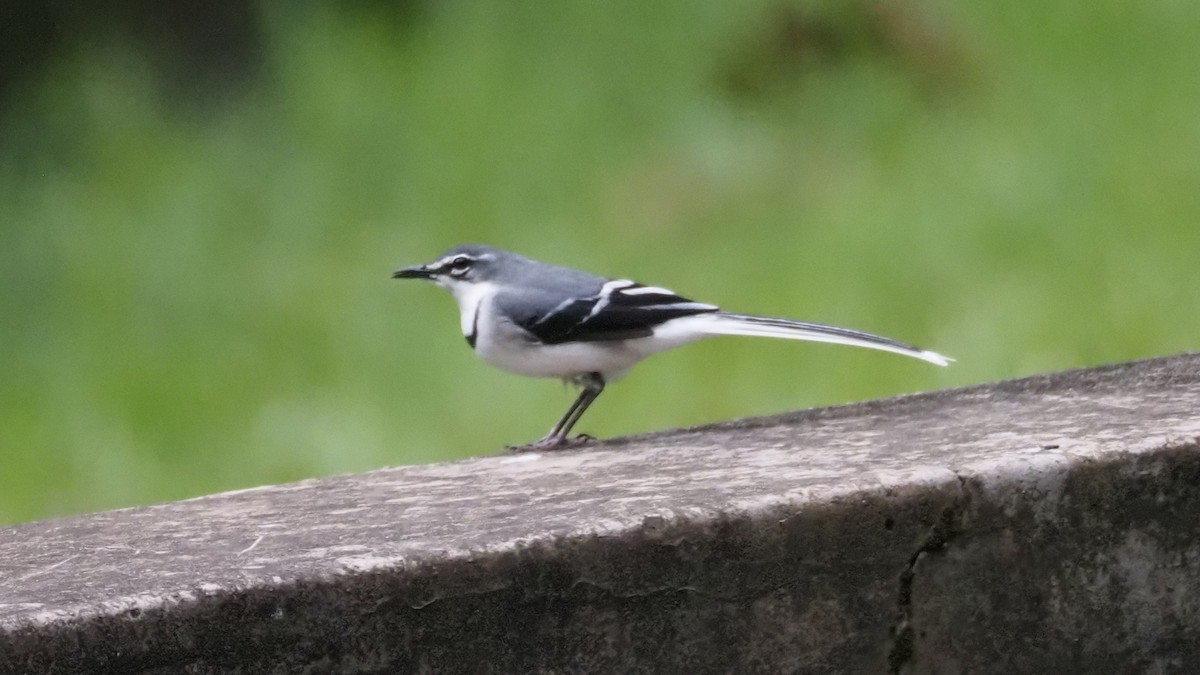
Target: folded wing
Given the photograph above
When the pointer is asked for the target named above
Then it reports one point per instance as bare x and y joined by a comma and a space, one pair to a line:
620, 310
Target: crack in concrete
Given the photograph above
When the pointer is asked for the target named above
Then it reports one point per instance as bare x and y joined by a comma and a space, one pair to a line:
948, 527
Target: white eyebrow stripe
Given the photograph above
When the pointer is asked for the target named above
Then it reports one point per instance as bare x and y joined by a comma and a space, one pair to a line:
647, 290
446, 261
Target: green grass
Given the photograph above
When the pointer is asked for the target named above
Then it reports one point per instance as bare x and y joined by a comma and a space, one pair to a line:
196, 297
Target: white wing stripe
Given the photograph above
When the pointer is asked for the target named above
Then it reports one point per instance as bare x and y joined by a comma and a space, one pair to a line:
606, 292
646, 290
554, 312
616, 285
680, 305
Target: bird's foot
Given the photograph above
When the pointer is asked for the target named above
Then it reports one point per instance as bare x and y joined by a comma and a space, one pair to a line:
550, 443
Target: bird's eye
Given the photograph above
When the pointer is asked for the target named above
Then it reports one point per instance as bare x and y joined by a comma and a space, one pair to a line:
459, 265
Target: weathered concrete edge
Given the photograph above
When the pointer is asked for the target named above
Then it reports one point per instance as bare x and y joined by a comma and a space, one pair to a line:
913, 486
965, 486
1056, 533
938, 499
164, 631
1081, 379
991, 497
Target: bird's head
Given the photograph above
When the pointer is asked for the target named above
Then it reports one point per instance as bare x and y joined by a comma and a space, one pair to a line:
458, 268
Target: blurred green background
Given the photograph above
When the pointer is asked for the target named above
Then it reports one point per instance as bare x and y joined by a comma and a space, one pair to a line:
200, 209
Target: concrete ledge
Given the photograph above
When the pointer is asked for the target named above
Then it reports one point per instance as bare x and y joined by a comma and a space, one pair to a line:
1039, 525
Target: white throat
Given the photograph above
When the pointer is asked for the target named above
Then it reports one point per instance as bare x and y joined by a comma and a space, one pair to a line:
470, 298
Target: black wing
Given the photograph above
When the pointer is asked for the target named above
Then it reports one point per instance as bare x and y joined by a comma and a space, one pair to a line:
619, 311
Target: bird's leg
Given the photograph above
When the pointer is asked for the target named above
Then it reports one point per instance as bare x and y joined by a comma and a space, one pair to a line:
592, 384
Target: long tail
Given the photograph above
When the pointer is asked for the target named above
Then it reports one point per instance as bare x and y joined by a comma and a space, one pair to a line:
724, 323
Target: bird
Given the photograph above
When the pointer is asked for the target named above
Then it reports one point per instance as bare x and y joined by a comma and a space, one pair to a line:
540, 320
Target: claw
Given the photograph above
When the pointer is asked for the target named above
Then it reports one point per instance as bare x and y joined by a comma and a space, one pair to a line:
550, 443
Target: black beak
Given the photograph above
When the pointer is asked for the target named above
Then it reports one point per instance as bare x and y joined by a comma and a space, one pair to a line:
417, 272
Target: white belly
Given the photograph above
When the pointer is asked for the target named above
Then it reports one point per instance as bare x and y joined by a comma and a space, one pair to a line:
513, 351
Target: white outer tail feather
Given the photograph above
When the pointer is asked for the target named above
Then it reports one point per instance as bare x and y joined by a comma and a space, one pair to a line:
723, 323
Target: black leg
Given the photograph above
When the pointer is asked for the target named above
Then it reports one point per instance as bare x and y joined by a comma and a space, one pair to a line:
563, 425
592, 384
591, 392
